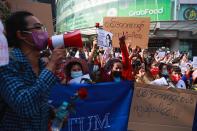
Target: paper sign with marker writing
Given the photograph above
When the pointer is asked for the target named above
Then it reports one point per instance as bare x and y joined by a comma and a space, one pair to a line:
104, 38
136, 30
160, 109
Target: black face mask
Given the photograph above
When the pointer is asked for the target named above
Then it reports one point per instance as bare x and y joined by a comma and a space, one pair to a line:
117, 74
102, 52
165, 76
136, 64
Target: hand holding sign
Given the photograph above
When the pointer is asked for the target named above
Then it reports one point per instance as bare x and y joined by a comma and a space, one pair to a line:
135, 29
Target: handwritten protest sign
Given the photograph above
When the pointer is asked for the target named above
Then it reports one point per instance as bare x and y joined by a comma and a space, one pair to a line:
135, 29
104, 38
159, 109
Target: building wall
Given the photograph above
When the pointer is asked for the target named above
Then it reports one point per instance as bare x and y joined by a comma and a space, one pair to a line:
41, 10
78, 14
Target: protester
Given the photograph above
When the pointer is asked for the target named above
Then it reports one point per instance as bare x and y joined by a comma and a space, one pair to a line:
175, 77
119, 70
75, 68
25, 82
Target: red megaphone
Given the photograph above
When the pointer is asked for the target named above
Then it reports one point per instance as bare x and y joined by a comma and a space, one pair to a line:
72, 39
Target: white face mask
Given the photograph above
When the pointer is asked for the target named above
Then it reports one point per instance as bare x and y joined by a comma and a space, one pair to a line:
95, 68
75, 74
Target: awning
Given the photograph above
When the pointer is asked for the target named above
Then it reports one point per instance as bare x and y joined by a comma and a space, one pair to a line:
179, 29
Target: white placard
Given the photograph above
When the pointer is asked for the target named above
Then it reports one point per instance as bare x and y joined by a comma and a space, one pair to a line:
106, 54
104, 38
4, 56
194, 62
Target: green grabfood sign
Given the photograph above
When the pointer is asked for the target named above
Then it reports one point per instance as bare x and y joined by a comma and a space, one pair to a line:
77, 14
157, 10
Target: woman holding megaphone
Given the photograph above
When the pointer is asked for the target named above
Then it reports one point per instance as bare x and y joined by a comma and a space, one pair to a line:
25, 83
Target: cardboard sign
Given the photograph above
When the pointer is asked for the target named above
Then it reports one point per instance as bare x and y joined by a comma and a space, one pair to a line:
104, 38
157, 108
135, 29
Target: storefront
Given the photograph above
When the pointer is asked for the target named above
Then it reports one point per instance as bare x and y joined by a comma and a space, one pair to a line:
176, 35
187, 11
78, 14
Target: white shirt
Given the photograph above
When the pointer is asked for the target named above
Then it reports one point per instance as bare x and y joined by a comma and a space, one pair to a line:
161, 82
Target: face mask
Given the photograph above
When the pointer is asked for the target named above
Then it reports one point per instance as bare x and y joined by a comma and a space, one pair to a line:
102, 52
154, 71
75, 74
95, 68
175, 78
117, 79
117, 54
40, 39
117, 74
165, 72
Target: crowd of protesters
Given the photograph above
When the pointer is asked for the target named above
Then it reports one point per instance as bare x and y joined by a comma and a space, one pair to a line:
160, 67
25, 83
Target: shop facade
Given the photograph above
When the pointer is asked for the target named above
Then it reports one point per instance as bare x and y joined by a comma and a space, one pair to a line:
169, 19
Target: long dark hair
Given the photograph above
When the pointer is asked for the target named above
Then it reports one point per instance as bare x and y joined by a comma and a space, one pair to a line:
16, 22
69, 67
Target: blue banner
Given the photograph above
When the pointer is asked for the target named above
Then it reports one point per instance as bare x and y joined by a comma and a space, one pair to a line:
105, 109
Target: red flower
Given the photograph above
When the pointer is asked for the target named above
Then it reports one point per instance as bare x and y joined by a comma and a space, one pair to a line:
82, 93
